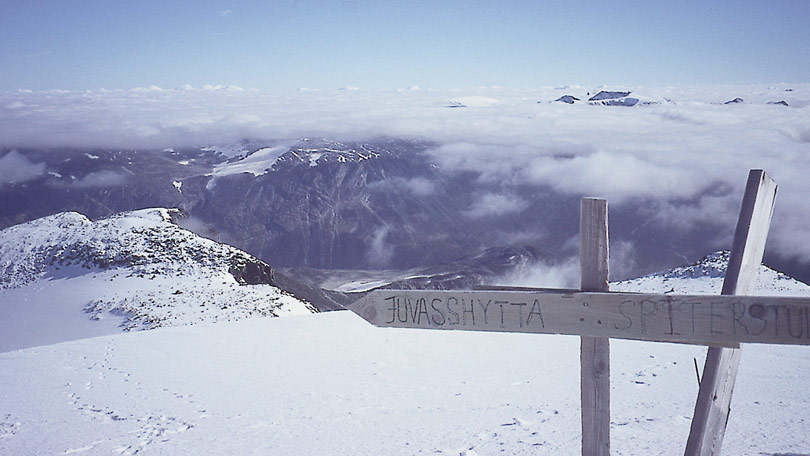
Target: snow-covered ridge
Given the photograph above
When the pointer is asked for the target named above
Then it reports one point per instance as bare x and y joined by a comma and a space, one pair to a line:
145, 241
257, 162
306, 152
706, 277
311, 152
614, 98
141, 265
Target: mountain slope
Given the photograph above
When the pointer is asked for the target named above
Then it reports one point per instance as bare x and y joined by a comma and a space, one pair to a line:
135, 270
706, 277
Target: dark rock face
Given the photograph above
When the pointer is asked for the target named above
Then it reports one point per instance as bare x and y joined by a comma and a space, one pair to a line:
382, 204
320, 204
735, 101
99, 183
780, 102
253, 273
340, 206
606, 98
606, 95
570, 99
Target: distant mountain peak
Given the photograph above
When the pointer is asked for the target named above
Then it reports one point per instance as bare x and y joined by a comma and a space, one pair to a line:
608, 95
706, 276
570, 99
609, 98
311, 152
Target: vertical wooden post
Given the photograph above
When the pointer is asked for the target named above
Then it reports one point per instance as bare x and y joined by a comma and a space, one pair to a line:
594, 351
720, 371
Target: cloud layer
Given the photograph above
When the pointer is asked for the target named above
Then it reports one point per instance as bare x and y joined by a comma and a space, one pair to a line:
15, 168
683, 161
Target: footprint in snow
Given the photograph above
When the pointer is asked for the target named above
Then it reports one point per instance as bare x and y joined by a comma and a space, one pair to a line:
8, 426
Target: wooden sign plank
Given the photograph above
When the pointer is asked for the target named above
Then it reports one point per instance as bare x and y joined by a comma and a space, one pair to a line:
713, 320
594, 352
720, 371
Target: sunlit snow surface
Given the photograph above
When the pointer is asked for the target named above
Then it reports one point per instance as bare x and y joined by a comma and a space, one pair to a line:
256, 163
332, 384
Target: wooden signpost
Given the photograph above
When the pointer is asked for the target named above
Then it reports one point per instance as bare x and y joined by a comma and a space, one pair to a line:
716, 320
721, 322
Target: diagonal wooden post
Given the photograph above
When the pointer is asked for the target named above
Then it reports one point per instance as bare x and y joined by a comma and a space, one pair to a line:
594, 351
714, 397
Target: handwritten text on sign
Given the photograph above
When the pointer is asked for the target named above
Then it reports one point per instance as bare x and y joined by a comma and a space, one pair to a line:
695, 319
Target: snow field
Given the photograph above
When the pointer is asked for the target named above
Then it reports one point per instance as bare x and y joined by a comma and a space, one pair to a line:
332, 384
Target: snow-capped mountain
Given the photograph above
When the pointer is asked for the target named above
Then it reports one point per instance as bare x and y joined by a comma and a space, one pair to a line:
614, 98
706, 277
381, 204
135, 270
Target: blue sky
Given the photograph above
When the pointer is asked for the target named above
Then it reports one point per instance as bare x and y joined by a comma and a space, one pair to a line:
282, 45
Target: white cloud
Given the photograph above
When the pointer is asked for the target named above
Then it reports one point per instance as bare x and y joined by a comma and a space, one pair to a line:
225, 13
102, 179
379, 252
493, 204
563, 274
15, 168
418, 186
669, 160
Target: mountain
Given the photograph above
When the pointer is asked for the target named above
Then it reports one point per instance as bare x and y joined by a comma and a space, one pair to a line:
134, 270
706, 277
382, 204
317, 203
570, 99
326, 204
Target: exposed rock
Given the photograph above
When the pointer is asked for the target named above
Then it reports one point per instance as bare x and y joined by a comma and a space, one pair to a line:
735, 101
253, 273
606, 98
570, 99
780, 102
606, 95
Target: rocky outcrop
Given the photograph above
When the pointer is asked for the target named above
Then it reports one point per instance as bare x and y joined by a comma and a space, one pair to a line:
608, 95
570, 99
253, 273
607, 98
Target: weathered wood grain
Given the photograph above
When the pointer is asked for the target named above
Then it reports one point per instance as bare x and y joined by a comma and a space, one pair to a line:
594, 351
714, 320
720, 371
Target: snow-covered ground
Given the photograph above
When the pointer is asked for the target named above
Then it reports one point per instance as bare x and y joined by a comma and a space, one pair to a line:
332, 384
